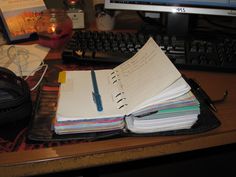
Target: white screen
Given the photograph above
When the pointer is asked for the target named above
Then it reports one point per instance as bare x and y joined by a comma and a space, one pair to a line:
210, 7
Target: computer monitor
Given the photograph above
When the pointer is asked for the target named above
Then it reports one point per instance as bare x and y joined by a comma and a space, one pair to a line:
177, 10
208, 7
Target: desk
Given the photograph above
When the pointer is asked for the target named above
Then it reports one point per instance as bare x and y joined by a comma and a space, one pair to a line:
104, 152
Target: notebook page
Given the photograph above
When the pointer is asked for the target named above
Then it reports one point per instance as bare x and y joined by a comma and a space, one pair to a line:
146, 75
180, 87
76, 99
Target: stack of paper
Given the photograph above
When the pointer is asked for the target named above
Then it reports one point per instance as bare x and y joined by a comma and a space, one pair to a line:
179, 113
88, 126
144, 94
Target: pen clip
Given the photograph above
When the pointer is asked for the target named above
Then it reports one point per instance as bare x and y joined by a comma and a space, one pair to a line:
94, 98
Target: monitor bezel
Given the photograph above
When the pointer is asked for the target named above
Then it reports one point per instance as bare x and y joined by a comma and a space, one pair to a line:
168, 8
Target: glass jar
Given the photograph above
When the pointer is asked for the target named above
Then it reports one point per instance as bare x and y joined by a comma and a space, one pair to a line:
75, 12
54, 28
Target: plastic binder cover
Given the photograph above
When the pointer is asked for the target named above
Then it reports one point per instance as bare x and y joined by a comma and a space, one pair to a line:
143, 96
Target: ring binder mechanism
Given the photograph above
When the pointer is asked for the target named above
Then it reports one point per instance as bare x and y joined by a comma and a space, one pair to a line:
117, 91
146, 88
115, 79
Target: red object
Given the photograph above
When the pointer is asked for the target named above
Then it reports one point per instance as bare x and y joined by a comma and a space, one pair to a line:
54, 28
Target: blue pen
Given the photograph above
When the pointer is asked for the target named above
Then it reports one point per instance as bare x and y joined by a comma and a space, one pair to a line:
96, 94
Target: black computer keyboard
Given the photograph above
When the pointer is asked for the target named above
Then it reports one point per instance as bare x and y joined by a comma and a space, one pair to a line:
202, 53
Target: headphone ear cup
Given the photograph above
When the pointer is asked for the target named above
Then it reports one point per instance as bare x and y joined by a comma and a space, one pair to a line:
15, 98
7, 71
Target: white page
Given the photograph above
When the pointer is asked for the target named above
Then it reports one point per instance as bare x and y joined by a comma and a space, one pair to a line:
183, 124
164, 121
146, 74
178, 88
27, 58
142, 77
76, 100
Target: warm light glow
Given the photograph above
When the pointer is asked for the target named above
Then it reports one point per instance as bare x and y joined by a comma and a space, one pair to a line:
52, 29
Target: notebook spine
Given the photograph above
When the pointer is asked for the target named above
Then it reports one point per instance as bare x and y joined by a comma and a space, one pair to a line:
117, 92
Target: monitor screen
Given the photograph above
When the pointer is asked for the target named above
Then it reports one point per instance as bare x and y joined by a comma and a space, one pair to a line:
208, 7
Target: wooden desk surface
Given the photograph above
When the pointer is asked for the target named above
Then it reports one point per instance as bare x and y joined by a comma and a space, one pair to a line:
90, 154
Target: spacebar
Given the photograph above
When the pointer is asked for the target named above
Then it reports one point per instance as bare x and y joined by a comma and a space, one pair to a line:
100, 56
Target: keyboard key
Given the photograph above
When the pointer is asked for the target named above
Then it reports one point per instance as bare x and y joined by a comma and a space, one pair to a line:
216, 54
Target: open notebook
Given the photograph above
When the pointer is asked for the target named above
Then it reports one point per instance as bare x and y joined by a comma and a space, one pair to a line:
144, 94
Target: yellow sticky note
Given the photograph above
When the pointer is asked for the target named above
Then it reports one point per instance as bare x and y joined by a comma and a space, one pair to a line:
62, 77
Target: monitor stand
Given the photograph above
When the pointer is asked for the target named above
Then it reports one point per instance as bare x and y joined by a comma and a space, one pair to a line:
177, 24
173, 24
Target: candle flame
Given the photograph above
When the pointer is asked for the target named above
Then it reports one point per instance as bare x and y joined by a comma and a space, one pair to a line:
53, 28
